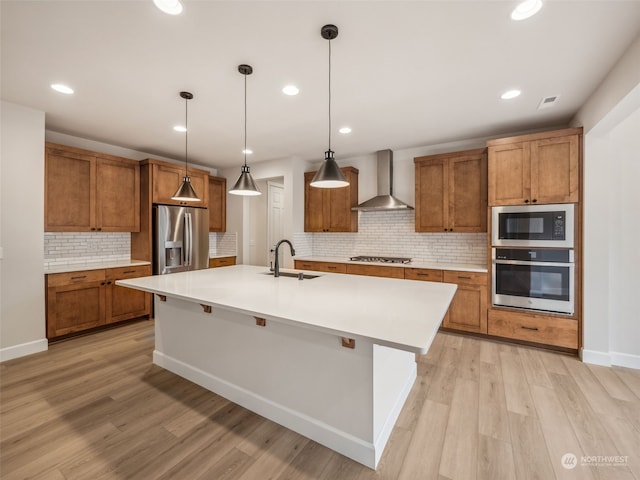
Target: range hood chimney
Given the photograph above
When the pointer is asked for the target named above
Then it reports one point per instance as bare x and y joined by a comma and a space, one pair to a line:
385, 199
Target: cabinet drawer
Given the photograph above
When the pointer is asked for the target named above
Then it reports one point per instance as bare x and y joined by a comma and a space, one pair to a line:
321, 266
71, 278
559, 332
121, 273
222, 262
375, 271
425, 274
469, 278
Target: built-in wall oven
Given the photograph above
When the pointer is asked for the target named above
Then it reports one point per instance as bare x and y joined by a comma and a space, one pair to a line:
534, 279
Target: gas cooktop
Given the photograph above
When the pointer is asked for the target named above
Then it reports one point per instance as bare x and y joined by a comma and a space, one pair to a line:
366, 258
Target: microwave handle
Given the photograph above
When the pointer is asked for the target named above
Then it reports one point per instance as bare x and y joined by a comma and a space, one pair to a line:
541, 264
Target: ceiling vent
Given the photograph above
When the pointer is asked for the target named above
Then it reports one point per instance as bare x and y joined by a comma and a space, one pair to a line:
547, 102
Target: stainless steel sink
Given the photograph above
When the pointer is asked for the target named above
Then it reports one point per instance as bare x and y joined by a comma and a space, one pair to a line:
305, 276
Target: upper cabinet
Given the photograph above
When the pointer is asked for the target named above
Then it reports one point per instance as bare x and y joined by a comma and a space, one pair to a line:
329, 209
535, 169
89, 191
217, 204
167, 177
451, 192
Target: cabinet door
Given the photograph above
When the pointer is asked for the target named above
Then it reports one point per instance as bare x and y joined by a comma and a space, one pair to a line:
314, 203
468, 310
468, 194
432, 202
125, 303
72, 308
554, 170
330, 267
509, 174
70, 186
118, 196
375, 270
167, 179
338, 206
217, 204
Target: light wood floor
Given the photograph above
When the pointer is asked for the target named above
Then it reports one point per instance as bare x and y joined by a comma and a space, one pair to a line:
96, 408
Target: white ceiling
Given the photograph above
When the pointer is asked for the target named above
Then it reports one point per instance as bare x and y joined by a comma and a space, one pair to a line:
404, 74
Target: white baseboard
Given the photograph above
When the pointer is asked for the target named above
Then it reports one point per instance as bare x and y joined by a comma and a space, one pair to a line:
24, 349
608, 359
340, 441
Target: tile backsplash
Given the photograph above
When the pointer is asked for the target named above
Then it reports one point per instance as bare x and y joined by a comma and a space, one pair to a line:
78, 248
223, 243
393, 234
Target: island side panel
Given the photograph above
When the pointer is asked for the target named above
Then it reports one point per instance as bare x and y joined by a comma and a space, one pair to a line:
300, 378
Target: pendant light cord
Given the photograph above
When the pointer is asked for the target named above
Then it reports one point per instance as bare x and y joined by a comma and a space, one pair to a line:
329, 94
186, 138
245, 120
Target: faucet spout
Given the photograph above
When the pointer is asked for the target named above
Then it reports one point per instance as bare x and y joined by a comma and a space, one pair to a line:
276, 266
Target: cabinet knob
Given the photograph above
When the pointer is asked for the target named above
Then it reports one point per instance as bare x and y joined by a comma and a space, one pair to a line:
526, 201
534, 200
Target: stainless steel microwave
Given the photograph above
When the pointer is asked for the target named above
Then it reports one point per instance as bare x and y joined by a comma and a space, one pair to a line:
533, 225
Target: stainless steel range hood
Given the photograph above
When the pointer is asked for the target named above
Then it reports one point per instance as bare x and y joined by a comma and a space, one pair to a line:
384, 200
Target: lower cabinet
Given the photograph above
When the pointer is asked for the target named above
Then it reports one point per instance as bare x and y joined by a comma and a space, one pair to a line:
78, 301
331, 267
531, 327
468, 310
375, 270
222, 261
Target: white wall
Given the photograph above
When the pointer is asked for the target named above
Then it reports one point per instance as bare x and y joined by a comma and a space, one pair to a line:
611, 118
22, 311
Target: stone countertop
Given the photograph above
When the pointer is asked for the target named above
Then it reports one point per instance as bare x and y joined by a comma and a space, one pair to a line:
399, 314
79, 267
464, 267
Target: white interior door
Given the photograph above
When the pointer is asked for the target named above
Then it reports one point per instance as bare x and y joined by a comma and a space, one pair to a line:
275, 218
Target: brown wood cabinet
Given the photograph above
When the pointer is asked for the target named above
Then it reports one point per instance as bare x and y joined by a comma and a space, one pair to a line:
222, 261
331, 267
217, 204
329, 209
375, 270
537, 328
468, 310
89, 191
535, 169
79, 301
125, 303
451, 192
167, 177
424, 274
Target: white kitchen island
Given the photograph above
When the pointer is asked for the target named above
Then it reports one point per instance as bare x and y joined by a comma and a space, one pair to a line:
332, 358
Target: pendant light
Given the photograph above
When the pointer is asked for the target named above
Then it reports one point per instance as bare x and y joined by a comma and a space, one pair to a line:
329, 175
245, 184
185, 191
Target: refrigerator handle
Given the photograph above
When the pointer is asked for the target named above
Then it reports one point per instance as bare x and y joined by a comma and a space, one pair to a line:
188, 239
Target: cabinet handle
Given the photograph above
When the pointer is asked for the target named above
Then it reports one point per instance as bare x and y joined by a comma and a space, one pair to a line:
526, 201
109, 282
99, 229
423, 274
93, 229
530, 328
464, 278
331, 267
102, 283
306, 265
79, 278
129, 271
535, 200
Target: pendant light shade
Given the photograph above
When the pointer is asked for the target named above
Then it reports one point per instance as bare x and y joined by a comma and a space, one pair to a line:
245, 184
329, 175
185, 191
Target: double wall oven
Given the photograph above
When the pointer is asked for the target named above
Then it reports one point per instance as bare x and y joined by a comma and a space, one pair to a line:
533, 257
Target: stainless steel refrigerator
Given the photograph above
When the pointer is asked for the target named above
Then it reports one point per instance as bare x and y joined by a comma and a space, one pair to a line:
180, 239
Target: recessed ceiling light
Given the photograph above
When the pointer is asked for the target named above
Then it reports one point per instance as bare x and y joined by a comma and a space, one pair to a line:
290, 90
345, 130
247, 151
172, 7
526, 9
509, 94
179, 128
58, 87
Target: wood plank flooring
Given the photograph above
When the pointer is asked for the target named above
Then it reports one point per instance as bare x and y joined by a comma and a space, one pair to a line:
95, 407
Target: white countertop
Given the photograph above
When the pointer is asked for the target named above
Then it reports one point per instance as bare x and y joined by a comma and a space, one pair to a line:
79, 267
464, 267
404, 314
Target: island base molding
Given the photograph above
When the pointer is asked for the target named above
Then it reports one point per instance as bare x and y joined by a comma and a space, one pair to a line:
347, 399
